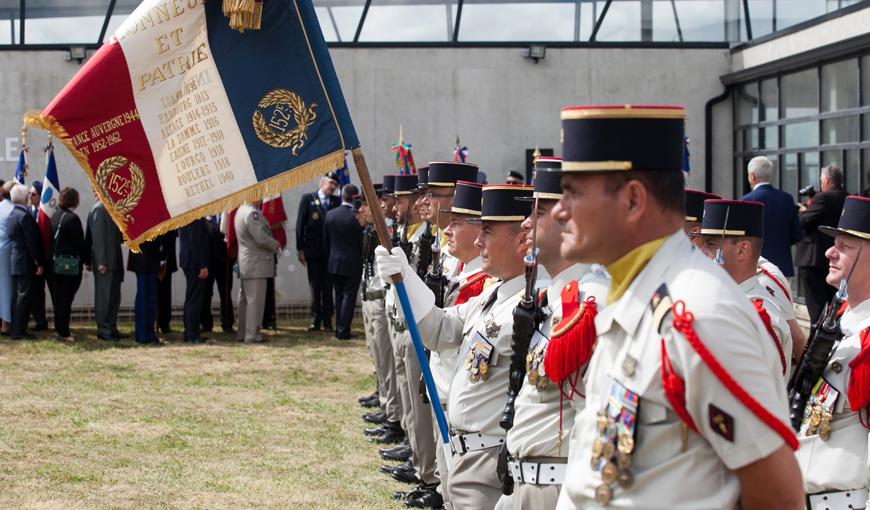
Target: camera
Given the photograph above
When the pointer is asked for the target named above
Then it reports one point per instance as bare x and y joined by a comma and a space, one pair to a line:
807, 191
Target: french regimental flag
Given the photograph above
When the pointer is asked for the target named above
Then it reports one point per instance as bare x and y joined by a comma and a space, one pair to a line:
180, 116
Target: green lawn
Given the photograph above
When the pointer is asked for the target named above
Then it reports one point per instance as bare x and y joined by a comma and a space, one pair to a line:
221, 425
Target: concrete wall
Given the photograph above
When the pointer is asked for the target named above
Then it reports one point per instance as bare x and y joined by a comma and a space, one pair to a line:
498, 102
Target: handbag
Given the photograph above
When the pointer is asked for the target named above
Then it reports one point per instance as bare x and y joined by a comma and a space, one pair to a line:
66, 265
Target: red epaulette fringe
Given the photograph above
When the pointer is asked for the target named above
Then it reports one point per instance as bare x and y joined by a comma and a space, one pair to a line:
573, 338
473, 287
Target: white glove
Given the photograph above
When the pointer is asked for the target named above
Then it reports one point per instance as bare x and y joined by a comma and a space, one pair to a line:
392, 264
419, 295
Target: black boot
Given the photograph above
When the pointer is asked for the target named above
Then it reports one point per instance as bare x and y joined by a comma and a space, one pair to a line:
378, 417
400, 453
405, 473
393, 433
371, 403
426, 496
367, 397
378, 431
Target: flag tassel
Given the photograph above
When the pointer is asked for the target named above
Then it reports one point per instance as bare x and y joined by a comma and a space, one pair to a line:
244, 14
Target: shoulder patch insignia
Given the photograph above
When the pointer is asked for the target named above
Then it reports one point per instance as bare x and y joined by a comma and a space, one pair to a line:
721, 422
770, 291
660, 304
255, 215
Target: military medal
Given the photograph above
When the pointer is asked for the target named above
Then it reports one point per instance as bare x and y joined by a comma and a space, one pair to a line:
608, 473
492, 328
602, 422
825, 425
533, 377
625, 479
603, 494
543, 382
469, 360
315, 216
629, 365
626, 443
473, 377
483, 368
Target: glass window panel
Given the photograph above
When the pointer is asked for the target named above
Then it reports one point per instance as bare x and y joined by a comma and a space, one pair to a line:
791, 12
738, 139
588, 11
832, 158
840, 130
865, 80
770, 136
79, 29
840, 85
9, 16
417, 22
866, 135
517, 22
761, 14
769, 100
800, 94
698, 20
802, 134
789, 182
852, 172
750, 139
747, 104
327, 26
122, 9
622, 22
345, 17
810, 170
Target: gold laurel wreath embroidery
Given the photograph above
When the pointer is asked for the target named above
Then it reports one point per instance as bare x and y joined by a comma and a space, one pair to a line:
137, 184
304, 118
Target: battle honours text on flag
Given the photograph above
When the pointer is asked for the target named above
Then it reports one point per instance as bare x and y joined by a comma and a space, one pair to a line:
178, 116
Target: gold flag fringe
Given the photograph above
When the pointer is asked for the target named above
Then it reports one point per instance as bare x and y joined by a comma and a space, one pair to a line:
272, 186
244, 14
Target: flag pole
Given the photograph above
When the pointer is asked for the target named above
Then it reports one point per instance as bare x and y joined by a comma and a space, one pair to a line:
362, 169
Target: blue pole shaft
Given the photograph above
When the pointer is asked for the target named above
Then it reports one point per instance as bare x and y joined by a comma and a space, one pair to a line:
424, 363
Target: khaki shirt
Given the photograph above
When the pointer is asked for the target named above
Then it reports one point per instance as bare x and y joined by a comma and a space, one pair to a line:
773, 287
667, 473
841, 462
754, 289
536, 423
444, 362
476, 406
257, 247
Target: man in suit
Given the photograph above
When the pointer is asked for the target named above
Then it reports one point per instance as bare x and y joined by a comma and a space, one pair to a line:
217, 274
37, 305
27, 260
781, 226
146, 265
107, 264
257, 250
822, 209
313, 251
194, 262
344, 244
168, 265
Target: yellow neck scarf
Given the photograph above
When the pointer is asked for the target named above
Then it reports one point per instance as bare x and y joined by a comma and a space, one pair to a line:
623, 271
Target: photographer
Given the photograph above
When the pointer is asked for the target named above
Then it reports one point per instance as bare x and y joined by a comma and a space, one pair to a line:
822, 208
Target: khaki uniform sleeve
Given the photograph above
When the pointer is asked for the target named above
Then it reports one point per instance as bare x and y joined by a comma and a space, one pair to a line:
442, 328
739, 342
261, 233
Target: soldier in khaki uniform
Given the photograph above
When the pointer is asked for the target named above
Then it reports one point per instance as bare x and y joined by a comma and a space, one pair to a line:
375, 320
833, 436
416, 418
538, 440
481, 329
257, 250
685, 404
733, 233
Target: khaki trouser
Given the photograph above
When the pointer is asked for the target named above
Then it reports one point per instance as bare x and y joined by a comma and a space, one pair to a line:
473, 482
252, 301
421, 433
441, 461
381, 349
401, 376
535, 497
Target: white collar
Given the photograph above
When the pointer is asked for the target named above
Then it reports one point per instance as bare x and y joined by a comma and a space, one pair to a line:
856, 318
510, 288
760, 184
473, 266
